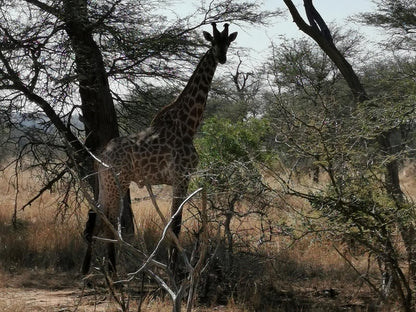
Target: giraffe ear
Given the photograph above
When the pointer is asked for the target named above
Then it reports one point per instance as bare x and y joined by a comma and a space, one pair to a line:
208, 36
232, 37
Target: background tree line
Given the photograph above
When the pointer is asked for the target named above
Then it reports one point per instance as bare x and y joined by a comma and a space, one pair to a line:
320, 106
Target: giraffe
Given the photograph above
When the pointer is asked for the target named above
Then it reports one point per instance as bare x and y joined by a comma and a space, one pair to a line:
162, 154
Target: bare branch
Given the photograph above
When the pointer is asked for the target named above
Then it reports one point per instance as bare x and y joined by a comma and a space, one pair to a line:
48, 186
333, 53
43, 6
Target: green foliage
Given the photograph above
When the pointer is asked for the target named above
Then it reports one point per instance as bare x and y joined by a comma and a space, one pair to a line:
223, 141
358, 149
396, 17
143, 104
230, 154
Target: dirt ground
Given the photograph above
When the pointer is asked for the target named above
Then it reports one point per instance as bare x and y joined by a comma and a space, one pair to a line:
42, 291
49, 291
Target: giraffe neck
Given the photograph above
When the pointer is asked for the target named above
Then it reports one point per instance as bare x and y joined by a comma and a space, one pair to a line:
185, 113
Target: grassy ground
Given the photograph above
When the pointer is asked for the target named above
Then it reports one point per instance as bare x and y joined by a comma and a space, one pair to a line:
41, 254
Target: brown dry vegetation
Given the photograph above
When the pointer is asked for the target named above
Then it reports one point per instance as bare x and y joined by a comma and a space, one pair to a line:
41, 256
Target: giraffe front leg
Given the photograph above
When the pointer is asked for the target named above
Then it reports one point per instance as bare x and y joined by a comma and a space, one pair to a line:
110, 227
179, 195
112, 188
111, 251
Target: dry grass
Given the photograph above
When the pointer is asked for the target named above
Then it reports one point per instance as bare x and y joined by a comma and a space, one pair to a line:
40, 237
275, 272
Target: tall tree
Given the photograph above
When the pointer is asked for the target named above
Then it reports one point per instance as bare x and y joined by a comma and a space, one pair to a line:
389, 140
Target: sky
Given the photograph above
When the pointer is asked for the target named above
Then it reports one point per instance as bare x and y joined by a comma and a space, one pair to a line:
332, 11
258, 39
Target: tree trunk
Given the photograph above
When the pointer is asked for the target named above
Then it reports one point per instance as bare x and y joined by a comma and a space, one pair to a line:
98, 112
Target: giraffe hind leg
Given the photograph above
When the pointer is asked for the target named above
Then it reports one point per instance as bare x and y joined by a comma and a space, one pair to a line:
88, 233
111, 248
87, 259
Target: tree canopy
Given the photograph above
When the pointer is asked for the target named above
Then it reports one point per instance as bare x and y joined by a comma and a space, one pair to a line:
71, 64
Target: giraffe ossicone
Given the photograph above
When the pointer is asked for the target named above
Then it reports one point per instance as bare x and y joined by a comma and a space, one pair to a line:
163, 153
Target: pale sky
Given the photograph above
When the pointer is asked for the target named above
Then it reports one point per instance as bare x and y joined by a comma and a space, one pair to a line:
336, 11
258, 39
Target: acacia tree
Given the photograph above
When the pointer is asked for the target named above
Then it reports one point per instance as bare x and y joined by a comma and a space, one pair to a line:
397, 18
360, 154
64, 61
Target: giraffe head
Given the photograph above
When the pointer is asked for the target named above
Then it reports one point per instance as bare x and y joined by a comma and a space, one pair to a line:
220, 42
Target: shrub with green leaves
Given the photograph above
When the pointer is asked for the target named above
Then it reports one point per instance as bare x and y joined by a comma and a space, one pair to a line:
230, 157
